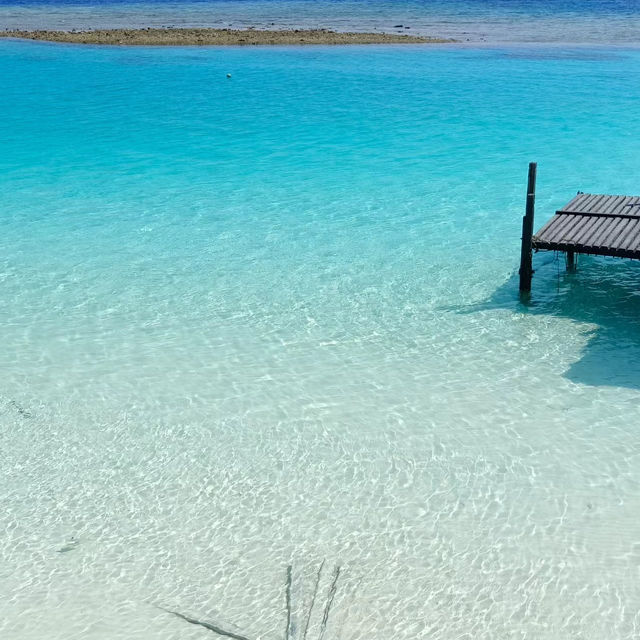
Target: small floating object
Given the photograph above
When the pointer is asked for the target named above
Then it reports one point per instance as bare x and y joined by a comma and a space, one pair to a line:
70, 546
228, 75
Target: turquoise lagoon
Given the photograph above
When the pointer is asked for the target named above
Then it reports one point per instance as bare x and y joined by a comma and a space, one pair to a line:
274, 319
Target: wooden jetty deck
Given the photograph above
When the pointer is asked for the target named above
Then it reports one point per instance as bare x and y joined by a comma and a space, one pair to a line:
590, 223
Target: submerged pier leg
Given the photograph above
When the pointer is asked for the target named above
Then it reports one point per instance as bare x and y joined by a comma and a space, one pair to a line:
571, 261
526, 266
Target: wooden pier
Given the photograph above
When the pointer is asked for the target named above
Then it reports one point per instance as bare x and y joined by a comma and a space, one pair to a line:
594, 224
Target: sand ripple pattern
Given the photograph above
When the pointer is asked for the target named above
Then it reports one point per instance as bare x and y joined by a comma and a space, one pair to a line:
263, 322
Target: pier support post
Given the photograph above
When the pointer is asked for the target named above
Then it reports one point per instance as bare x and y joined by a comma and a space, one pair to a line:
526, 265
571, 261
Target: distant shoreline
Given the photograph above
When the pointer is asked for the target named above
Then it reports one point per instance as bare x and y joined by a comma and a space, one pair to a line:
219, 37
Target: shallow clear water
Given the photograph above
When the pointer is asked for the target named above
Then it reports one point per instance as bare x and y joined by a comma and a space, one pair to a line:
584, 21
274, 319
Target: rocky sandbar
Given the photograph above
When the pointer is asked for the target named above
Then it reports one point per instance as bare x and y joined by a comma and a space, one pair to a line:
181, 37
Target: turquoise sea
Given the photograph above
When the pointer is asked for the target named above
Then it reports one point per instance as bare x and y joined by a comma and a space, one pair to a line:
273, 320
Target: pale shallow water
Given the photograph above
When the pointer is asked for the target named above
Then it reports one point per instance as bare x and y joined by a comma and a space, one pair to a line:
274, 319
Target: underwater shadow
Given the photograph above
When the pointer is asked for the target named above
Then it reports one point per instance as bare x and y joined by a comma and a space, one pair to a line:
604, 292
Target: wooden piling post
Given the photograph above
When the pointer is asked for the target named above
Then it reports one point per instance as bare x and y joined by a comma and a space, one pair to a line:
571, 261
526, 266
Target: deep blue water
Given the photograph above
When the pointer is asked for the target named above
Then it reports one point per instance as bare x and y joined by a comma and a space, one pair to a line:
608, 21
506, 6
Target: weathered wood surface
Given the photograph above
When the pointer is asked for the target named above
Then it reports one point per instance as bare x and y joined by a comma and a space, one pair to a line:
597, 224
526, 265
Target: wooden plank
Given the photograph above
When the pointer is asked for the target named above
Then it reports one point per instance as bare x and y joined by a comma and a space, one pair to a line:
634, 206
596, 230
600, 232
606, 231
609, 233
636, 244
564, 232
596, 251
631, 236
599, 203
619, 208
572, 204
612, 206
581, 201
582, 228
550, 229
596, 214
625, 232
586, 204
618, 232
568, 232
555, 227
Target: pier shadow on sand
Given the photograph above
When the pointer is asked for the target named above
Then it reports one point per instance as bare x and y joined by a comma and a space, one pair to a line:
604, 292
